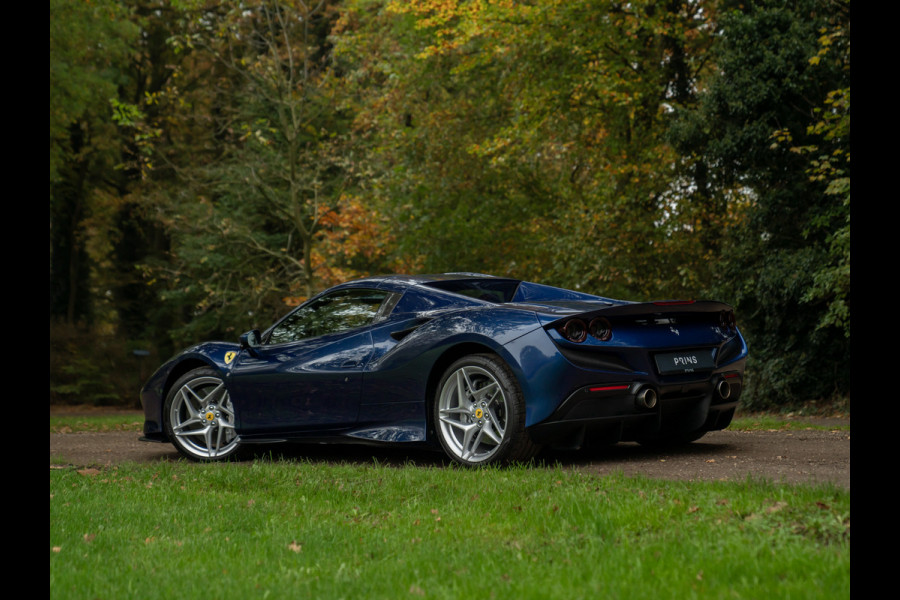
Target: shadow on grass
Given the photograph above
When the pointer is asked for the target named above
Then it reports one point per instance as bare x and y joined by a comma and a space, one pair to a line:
625, 452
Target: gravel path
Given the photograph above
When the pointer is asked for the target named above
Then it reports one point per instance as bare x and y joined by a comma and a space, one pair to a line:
802, 456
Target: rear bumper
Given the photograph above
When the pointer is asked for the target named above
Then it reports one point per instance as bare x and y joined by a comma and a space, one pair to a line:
620, 411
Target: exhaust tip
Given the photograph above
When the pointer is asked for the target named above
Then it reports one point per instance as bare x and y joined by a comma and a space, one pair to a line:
646, 398
723, 388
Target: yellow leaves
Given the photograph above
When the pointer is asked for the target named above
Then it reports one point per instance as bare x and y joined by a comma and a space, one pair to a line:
294, 300
452, 24
490, 148
826, 42
781, 135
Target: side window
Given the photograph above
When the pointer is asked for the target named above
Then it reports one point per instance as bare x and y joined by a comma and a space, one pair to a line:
333, 313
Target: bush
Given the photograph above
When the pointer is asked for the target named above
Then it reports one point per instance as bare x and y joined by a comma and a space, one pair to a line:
91, 367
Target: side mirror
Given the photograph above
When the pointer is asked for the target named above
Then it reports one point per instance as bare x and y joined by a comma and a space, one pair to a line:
250, 341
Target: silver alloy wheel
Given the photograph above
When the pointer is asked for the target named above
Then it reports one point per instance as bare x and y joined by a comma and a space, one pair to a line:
202, 419
472, 414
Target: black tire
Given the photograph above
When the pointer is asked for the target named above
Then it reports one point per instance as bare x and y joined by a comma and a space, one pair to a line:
199, 417
479, 413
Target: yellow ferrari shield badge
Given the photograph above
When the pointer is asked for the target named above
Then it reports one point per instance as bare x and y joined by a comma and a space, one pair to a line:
479, 413
229, 356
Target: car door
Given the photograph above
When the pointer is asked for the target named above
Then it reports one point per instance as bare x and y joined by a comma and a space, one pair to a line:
307, 374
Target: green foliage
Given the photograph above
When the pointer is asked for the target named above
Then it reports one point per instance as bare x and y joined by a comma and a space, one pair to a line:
831, 165
89, 367
261, 210
522, 139
89, 51
214, 164
89, 44
787, 270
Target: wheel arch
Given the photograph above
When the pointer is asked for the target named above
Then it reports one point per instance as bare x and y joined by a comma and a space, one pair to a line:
185, 366
514, 443
203, 411
440, 366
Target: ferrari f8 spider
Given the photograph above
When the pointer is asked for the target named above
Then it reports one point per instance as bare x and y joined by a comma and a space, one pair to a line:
487, 369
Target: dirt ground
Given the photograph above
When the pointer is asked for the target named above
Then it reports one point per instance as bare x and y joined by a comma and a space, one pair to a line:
801, 456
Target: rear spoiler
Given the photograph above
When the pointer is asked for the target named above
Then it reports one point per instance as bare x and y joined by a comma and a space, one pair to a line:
661, 307
650, 310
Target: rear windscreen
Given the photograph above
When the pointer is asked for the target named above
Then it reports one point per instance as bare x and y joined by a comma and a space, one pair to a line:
490, 290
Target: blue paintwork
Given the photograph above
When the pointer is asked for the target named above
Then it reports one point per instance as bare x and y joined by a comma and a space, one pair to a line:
367, 386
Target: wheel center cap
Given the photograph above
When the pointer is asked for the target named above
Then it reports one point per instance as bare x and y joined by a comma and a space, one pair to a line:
479, 413
209, 416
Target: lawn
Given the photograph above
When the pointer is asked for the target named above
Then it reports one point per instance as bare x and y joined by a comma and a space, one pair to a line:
316, 530
115, 421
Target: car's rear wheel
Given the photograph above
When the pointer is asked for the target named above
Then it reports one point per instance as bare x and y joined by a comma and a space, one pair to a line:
199, 417
479, 413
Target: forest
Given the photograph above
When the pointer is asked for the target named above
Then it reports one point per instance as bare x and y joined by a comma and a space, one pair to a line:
215, 163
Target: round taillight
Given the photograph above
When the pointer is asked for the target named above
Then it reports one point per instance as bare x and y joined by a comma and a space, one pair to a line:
727, 320
600, 329
574, 330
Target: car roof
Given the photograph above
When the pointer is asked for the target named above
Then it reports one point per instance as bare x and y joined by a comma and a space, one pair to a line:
516, 293
431, 284
402, 280
428, 278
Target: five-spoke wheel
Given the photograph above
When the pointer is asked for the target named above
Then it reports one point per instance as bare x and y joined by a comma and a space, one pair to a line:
479, 412
199, 416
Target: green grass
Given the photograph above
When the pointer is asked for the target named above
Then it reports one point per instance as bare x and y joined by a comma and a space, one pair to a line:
288, 529
118, 422
775, 422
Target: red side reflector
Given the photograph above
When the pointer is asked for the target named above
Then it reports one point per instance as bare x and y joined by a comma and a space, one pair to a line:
673, 302
608, 388
730, 375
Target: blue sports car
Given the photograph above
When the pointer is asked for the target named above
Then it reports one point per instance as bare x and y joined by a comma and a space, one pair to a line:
488, 369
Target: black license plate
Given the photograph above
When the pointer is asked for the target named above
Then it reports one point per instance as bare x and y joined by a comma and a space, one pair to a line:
686, 361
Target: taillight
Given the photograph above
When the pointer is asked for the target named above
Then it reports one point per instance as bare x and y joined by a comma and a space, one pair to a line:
727, 320
600, 329
574, 330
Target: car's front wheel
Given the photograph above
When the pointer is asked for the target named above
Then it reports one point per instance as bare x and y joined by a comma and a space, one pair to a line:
199, 416
479, 413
